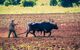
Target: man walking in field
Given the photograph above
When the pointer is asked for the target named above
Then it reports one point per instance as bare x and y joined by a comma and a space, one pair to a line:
12, 29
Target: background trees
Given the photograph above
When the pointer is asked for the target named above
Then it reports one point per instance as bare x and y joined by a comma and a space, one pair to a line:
66, 3
11, 2
2, 1
53, 2
28, 3
63, 3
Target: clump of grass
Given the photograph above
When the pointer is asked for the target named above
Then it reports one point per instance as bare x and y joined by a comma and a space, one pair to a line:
0, 48
12, 47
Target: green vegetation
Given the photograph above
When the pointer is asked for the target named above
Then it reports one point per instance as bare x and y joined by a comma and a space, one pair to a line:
2, 1
0, 48
39, 6
63, 3
13, 48
28, 3
53, 2
18, 2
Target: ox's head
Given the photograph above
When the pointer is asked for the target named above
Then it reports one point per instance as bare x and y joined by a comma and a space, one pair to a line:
55, 26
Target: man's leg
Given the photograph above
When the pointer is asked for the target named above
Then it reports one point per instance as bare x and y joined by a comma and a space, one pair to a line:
9, 33
15, 33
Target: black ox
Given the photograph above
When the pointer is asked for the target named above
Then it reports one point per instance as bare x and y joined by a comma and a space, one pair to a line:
45, 27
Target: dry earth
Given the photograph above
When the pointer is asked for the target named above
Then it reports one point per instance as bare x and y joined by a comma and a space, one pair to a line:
67, 37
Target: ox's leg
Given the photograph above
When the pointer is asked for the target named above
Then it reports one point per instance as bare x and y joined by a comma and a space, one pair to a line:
41, 32
44, 33
50, 34
34, 33
27, 33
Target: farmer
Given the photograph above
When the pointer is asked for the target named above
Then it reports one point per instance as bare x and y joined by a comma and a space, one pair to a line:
12, 29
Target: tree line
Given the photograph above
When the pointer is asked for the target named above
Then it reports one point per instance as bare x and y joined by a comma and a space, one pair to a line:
26, 3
